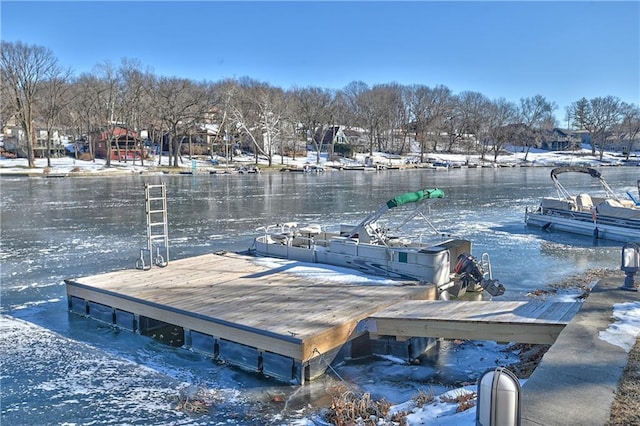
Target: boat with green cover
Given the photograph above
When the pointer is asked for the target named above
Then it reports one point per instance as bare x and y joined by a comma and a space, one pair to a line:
378, 248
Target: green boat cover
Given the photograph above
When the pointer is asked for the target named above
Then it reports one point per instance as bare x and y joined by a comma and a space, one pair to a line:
414, 197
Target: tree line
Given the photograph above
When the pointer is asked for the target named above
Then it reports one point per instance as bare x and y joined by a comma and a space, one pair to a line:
35, 88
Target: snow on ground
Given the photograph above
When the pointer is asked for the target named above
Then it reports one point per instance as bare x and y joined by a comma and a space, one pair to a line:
626, 329
535, 157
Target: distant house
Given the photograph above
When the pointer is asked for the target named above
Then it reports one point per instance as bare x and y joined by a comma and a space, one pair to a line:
333, 135
558, 140
15, 141
125, 144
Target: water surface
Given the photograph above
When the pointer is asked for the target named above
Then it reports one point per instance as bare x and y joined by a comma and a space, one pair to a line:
61, 368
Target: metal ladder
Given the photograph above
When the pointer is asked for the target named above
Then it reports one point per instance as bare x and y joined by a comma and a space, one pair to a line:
485, 263
157, 228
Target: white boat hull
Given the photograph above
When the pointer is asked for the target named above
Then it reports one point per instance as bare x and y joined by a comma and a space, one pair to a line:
601, 215
579, 223
434, 263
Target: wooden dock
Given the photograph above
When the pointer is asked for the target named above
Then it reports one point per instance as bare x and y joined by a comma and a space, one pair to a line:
523, 322
268, 316
259, 317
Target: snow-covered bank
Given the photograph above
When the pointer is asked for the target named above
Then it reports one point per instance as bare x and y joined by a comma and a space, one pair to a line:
534, 158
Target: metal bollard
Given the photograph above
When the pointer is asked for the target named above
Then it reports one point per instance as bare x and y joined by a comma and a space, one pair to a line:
498, 399
630, 265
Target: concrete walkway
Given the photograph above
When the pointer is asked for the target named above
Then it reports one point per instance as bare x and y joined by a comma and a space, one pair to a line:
574, 384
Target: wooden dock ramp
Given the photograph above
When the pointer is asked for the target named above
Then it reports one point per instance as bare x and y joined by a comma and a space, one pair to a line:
251, 312
523, 322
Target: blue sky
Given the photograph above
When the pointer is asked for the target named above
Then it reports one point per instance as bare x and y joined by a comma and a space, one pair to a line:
561, 50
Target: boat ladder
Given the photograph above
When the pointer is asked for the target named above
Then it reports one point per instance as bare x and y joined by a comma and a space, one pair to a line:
157, 228
485, 263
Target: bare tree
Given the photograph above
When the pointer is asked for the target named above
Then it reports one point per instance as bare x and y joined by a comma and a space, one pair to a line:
110, 105
180, 105
630, 124
502, 115
257, 110
312, 108
429, 107
440, 107
271, 105
359, 110
24, 68
135, 95
474, 110
453, 125
389, 110
597, 116
536, 114
403, 121
53, 99
84, 110
417, 99
377, 107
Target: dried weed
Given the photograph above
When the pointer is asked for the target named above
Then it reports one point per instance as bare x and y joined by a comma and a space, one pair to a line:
465, 400
625, 409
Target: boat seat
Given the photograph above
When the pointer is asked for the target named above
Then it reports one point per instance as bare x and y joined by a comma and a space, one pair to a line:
280, 238
312, 229
584, 202
554, 203
616, 209
398, 242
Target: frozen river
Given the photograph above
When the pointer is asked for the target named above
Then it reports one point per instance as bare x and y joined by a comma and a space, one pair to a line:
60, 368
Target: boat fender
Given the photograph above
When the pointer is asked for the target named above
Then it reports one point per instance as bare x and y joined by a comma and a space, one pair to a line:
596, 233
594, 214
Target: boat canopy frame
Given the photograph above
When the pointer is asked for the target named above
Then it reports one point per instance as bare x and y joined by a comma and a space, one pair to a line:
563, 193
423, 200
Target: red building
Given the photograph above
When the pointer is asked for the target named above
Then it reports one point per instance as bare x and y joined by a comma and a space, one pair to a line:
125, 145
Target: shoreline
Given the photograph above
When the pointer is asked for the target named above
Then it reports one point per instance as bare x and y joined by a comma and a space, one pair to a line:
41, 172
69, 166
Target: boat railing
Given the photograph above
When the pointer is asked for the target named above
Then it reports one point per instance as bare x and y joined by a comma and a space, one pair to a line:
281, 228
428, 238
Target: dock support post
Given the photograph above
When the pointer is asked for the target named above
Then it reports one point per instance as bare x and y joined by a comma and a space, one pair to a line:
136, 323
187, 338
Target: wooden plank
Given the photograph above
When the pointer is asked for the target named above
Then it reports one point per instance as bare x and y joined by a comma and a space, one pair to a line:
504, 311
513, 321
500, 332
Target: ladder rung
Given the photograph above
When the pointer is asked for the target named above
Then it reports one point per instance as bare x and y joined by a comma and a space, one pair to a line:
156, 204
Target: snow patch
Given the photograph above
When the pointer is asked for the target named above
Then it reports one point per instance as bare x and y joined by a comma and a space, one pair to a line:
626, 329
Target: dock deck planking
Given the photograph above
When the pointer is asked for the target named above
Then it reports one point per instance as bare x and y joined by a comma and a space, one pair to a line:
233, 297
508, 321
251, 302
